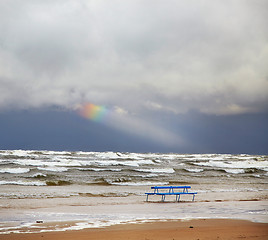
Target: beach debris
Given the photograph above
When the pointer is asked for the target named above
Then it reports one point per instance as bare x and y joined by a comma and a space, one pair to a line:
191, 227
39, 221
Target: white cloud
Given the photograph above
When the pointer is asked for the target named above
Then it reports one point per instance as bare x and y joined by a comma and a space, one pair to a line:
159, 55
120, 110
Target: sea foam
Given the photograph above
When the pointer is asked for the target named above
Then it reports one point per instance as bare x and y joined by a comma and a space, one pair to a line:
15, 170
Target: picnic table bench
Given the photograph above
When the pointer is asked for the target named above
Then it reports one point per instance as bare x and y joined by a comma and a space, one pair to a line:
172, 190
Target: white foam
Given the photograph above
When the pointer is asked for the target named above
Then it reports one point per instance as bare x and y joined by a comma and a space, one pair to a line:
139, 183
108, 155
53, 169
235, 171
45, 152
146, 162
195, 170
14, 170
149, 175
118, 155
32, 183
39, 175
51, 163
235, 164
20, 153
29, 162
101, 169
156, 170
100, 224
116, 163
62, 161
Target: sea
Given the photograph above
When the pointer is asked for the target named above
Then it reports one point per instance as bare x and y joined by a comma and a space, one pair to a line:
61, 190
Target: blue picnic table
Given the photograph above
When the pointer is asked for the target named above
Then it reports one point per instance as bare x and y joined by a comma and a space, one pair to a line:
171, 190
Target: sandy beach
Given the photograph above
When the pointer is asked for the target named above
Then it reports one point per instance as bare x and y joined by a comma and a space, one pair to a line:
193, 229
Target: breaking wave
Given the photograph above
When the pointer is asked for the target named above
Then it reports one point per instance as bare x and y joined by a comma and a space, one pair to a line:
51, 168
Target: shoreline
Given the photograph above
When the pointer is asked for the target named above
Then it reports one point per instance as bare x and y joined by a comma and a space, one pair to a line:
74, 216
161, 230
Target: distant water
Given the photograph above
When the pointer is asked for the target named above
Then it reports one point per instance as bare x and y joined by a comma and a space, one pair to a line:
83, 176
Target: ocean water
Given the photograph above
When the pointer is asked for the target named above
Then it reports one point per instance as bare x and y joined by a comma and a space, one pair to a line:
94, 189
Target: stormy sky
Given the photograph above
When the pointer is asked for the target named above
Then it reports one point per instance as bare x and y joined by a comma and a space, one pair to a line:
176, 75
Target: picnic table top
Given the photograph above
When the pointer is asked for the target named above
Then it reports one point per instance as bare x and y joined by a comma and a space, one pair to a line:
169, 187
174, 193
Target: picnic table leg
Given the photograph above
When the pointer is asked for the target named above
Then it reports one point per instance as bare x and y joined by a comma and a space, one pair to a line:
193, 196
179, 197
147, 197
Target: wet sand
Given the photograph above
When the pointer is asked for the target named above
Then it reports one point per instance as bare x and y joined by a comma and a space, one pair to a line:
167, 230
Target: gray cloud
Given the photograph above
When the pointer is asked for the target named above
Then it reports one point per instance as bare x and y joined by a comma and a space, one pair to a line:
142, 56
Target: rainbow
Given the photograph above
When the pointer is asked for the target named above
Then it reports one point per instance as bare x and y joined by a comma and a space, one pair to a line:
92, 111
